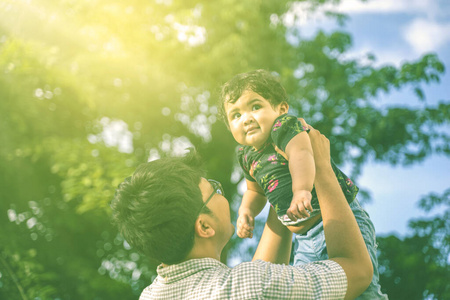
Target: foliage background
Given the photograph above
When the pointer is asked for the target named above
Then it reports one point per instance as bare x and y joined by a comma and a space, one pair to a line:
90, 89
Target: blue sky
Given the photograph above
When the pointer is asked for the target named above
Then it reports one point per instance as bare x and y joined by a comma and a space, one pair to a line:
395, 31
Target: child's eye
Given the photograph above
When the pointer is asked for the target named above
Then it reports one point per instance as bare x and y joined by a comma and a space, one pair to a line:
235, 116
256, 107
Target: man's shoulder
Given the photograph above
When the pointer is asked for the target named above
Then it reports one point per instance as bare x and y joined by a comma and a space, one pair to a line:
258, 267
264, 265
252, 280
146, 293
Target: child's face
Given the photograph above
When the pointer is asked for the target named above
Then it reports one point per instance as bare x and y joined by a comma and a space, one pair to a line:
251, 118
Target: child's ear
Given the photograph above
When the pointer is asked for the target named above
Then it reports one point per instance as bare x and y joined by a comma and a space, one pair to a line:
284, 107
203, 228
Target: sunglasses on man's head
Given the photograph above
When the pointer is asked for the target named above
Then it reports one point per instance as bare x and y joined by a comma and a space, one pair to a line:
217, 189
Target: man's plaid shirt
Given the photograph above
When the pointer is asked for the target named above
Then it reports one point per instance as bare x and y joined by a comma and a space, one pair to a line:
208, 278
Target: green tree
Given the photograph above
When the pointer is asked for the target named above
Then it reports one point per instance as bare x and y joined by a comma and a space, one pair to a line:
75, 75
417, 266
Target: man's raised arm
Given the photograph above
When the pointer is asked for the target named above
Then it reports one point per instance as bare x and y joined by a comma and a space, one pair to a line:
345, 244
276, 241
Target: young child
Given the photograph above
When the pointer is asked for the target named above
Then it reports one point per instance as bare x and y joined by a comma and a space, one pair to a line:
278, 164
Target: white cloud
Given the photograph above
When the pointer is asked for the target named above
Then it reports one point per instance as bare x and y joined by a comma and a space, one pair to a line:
387, 6
426, 35
428, 28
383, 55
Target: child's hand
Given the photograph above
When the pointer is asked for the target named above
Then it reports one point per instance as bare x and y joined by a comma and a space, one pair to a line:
245, 224
300, 205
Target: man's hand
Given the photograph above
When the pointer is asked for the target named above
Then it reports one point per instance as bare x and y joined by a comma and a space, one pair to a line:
245, 225
300, 205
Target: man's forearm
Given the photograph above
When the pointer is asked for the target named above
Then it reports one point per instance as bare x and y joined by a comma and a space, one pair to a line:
276, 241
345, 244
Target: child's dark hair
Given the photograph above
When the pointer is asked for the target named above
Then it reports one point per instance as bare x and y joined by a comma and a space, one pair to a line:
260, 81
156, 208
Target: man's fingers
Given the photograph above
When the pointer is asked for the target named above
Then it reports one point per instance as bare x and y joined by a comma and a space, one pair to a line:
302, 121
304, 124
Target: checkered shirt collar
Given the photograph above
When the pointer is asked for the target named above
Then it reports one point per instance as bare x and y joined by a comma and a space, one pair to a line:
174, 273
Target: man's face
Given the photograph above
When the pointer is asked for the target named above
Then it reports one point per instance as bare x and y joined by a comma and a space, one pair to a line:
221, 210
251, 118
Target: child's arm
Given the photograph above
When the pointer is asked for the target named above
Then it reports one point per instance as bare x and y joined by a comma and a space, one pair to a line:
252, 204
276, 241
303, 172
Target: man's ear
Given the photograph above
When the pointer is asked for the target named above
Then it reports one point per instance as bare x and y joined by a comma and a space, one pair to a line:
203, 227
283, 108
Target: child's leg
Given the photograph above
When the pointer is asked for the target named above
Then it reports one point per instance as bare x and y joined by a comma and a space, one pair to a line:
311, 247
368, 233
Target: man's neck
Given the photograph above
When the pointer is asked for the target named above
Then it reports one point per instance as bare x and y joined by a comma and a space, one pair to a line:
200, 255
203, 249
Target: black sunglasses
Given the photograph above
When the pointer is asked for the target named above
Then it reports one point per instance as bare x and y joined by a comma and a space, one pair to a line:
217, 190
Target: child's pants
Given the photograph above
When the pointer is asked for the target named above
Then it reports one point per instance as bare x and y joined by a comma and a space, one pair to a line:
311, 247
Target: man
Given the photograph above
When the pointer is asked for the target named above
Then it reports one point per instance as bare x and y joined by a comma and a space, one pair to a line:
171, 213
